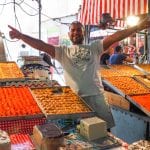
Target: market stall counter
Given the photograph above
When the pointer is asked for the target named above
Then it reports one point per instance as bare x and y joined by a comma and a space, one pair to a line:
131, 83
62, 141
24, 106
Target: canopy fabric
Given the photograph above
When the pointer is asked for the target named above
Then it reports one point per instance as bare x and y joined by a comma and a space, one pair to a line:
91, 10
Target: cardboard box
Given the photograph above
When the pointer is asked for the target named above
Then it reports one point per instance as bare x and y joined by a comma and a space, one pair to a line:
93, 128
117, 100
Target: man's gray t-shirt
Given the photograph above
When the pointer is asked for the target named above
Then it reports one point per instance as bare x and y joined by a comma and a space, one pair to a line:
80, 64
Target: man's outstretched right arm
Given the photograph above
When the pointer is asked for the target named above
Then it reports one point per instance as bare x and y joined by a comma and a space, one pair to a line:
33, 42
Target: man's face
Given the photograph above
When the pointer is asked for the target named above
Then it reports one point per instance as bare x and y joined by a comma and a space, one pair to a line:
76, 34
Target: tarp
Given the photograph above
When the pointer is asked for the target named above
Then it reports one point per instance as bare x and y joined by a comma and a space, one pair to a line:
92, 10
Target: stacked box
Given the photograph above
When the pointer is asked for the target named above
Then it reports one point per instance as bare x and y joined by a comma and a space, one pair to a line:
117, 100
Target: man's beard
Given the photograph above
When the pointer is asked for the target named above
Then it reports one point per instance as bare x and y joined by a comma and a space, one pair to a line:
78, 40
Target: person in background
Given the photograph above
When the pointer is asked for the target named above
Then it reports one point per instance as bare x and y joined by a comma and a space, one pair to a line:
141, 53
141, 50
104, 58
119, 58
81, 63
131, 49
126, 50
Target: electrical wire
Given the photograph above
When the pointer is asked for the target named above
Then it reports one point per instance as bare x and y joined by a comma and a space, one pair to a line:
49, 18
19, 5
16, 18
2, 9
26, 11
17, 21
21, 1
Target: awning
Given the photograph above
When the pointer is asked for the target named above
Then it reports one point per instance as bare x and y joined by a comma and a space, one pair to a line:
91, 10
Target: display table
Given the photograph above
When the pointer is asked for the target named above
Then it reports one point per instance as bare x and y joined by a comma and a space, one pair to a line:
72, 141
76, 141
142, 144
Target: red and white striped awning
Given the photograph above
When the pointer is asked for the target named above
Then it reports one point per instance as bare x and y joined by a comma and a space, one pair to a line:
92, 10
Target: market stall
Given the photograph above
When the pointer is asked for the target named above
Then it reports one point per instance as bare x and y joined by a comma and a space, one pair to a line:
28, 106
102, 18
131, 82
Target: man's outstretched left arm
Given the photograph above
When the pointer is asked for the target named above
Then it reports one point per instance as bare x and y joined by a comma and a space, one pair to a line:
120, 35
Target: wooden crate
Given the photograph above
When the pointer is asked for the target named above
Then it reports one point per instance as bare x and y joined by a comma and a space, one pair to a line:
117, 100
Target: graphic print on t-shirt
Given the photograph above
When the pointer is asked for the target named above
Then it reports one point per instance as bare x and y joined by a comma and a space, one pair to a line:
81, 57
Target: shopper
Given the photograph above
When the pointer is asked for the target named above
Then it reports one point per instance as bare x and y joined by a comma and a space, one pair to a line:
119, 58
80, 63
104, 58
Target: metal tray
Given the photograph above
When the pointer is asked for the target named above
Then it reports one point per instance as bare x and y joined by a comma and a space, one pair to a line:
141, 69
12, 79
113, 88
141, 82
70, 116
138, 106
122, 92
22, 117
2, 81
64, 116
31, 83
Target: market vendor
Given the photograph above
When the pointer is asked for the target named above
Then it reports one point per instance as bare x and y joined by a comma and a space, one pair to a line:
80, 63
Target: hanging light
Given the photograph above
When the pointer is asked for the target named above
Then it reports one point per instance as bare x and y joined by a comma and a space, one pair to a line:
132, 20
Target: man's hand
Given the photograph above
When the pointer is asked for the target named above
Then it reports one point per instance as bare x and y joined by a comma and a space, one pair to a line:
14, 33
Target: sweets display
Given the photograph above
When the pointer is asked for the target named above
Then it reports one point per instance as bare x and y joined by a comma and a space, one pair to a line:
5, 143
143, 100
59, 101
10, 70
126, 70
108, 72
17, 101
128, 85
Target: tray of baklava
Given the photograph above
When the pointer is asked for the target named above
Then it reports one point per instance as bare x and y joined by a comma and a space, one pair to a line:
141, 101
10, 71
124, 85
127, 70
106, 71
61, 102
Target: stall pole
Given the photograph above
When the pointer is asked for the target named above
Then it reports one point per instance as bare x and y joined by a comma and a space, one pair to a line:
40, 8
148, 35
40, 22
40, 19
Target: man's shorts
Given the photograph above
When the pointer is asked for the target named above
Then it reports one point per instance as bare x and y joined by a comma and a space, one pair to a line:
100, 105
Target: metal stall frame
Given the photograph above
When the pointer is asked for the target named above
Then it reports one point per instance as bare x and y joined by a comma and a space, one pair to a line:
130, 126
